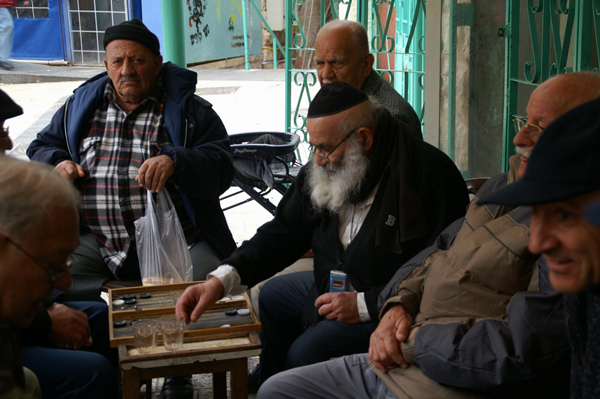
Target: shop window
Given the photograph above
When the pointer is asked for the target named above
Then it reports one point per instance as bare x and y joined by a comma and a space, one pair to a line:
32, 9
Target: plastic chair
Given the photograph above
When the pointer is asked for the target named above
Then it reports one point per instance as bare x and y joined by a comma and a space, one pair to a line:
263, 161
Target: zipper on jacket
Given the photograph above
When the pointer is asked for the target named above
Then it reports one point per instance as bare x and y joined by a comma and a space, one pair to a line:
185, 137
65, 124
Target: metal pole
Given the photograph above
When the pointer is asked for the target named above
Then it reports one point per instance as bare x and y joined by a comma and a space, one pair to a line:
173, 35
244, 5
288, 64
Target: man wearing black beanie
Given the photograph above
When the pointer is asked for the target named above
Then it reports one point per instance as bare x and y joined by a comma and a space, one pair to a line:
135, 129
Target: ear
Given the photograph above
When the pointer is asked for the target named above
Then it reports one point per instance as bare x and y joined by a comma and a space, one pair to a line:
159, 62
368, 62
365, 137
106, 64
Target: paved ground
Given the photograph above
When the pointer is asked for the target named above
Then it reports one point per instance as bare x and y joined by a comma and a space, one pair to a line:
245, 100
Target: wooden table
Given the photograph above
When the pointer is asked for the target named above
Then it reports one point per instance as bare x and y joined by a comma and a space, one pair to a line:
209, 346
209, 354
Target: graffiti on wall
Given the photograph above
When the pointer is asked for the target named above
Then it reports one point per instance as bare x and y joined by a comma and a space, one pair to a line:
197, 9
214, 29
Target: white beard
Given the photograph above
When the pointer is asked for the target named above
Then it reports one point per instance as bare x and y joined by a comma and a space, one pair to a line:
331, 189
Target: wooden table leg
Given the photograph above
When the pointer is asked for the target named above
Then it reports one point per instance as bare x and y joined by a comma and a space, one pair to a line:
219, 385
239, 379
148, 383
131, 384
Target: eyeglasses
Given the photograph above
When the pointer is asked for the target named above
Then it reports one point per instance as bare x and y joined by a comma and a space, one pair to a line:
54, 271
533, 130
315, 151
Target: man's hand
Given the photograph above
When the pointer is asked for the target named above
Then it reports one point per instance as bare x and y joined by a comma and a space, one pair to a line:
154, 173
340, 306
70, 170
196, 299
70, 327
393, 328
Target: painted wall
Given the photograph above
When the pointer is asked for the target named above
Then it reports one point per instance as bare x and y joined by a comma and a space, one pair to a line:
214, 29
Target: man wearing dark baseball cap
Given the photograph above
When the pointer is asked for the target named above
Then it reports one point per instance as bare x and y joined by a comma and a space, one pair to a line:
137, 129
562, 184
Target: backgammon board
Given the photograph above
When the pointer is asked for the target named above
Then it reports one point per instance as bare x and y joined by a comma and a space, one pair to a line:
152, 302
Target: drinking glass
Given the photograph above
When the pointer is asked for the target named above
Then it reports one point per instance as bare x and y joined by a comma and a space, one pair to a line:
144, 333
172, 330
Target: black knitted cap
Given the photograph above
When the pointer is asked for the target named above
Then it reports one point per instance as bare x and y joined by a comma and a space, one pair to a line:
334, 98
8, 108
133, 30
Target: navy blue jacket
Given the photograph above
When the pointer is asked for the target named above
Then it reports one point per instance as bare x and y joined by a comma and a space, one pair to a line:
203, 161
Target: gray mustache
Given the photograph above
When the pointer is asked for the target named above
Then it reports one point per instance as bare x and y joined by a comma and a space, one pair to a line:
129, 79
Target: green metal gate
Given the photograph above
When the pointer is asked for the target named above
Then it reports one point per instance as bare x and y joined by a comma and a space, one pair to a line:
397, 42
484, 58
545, 38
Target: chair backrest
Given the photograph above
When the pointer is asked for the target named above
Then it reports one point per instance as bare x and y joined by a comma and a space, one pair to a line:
475, 183
262, 159
258, 145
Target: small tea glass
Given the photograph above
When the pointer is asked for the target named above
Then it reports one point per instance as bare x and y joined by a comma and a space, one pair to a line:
172, 330
144, 333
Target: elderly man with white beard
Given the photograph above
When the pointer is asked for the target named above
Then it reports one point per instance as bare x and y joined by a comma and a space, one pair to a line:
371, 197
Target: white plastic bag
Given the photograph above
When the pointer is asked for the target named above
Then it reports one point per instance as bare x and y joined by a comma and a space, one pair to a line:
161, 246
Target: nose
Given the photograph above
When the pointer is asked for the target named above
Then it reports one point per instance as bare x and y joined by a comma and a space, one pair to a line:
127, 68
523, 139
327, 72
541, 235
320, 161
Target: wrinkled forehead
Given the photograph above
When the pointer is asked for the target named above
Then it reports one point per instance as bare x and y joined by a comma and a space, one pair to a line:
334, 44
122, 47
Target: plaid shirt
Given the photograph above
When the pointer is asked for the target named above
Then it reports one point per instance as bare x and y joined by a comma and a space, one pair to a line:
112, 154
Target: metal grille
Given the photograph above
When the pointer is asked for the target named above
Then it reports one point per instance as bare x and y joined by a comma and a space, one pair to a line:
388, 22
89, 19
35, 9
545, 38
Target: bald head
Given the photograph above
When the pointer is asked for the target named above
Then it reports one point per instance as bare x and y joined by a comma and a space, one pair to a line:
550, 100
353, 32
569, 90
342, 53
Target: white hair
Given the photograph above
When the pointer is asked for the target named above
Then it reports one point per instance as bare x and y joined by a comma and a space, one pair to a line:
331, 189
